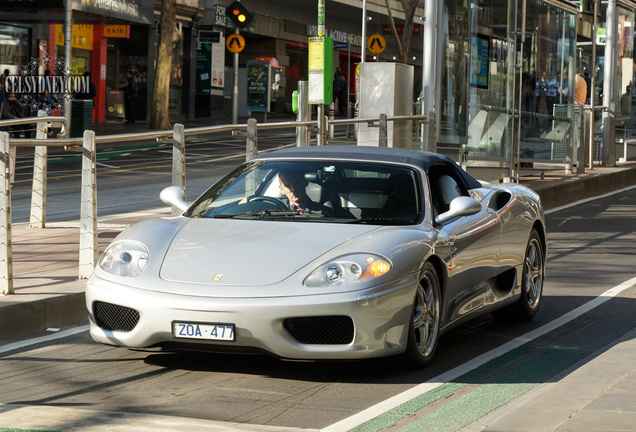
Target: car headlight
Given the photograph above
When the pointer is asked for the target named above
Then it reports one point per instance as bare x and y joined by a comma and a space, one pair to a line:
348, 269
127, 258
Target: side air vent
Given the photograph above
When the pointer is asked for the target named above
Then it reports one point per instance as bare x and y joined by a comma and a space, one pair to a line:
499, 200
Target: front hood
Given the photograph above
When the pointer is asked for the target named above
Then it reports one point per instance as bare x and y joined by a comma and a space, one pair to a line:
250, 252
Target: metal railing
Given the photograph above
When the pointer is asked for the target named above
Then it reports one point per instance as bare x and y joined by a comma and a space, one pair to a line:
88, 246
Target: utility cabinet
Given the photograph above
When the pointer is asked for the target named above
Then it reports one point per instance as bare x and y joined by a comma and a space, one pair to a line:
386, 88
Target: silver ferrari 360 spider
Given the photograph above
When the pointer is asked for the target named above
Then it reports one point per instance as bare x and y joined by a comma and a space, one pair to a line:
334, 252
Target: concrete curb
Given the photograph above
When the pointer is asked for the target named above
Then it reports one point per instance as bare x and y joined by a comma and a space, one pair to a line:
33, 316
574, 189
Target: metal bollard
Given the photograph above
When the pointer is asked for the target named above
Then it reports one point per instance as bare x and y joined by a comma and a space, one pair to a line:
382, 131
431, 144
38, 190
88, 227
304, 114
251, 146
6, 252
332, 114
178, 163
321, 135
356, 126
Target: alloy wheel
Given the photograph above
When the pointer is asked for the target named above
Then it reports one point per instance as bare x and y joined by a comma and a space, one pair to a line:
426, 314
533, 273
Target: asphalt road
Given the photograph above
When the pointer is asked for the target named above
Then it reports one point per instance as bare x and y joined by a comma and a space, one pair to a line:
479, 366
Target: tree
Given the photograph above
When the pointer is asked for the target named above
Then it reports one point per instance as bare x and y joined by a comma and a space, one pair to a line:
168, 37
404, 44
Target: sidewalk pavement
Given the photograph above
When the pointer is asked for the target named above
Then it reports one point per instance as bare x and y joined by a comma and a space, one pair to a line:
596, 395
599, 394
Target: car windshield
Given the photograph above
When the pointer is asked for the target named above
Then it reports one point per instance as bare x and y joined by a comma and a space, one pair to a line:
315, 191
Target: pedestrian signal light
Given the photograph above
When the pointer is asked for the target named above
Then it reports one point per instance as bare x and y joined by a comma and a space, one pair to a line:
238, 14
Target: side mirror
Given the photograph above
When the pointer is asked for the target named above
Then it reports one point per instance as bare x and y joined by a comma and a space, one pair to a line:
175, 196
460, 206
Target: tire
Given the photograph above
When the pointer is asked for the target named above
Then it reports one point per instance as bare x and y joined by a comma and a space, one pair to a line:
425, 322
528, 304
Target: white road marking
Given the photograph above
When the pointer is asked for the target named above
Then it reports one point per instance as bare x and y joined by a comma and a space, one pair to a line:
107, 166
586, 200
29, 342
397, 400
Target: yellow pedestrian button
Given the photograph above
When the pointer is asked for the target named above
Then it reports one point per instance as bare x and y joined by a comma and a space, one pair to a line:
235, 43
376, 43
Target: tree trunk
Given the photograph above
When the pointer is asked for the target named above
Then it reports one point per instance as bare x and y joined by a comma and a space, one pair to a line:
159, 118
409, 12
404, 43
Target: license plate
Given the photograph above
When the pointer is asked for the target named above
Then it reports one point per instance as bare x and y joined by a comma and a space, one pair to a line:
203, 331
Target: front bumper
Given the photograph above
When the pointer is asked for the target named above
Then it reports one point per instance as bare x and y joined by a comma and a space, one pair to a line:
380, 316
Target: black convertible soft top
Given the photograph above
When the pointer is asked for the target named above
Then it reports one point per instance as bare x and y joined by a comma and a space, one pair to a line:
421, 159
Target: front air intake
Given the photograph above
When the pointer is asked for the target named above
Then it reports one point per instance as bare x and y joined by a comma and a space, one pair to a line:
321, 330
113, 317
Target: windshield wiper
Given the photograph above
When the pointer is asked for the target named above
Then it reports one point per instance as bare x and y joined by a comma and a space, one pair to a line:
259, 213
265, 213
382, 221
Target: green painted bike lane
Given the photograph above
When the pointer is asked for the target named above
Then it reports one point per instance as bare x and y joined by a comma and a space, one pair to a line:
108, 154
496, 383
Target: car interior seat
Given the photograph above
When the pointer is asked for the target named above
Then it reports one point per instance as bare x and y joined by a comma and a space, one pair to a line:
445, 189
402, 202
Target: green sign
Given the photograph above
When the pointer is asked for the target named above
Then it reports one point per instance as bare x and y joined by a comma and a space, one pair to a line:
203, 68
320, 70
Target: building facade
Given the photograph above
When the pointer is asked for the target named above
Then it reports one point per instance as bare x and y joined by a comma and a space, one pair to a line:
108, 39
499, 76
506, 84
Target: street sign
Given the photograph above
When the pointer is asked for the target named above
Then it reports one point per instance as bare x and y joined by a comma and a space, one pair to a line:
376, 43
320, 70
235, 43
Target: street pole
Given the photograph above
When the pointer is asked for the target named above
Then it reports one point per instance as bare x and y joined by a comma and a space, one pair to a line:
68, 34
364, 30
320, 108
593, 85
348, 79
609, 90
235, 92
429, 71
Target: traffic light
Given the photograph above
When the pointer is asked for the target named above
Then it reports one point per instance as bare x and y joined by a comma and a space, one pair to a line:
238, 14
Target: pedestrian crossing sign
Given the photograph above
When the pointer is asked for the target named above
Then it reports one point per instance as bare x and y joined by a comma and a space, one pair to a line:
235, 43
376, 43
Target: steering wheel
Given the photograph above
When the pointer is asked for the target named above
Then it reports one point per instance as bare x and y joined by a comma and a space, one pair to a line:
271, 200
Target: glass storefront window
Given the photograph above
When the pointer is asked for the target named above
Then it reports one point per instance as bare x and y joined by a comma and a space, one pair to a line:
521, 88
454, 71
491, 82
621, 102
625, 67
548, 79
14, 48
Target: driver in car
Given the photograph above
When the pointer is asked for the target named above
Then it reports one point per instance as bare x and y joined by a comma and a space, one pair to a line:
294, 186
